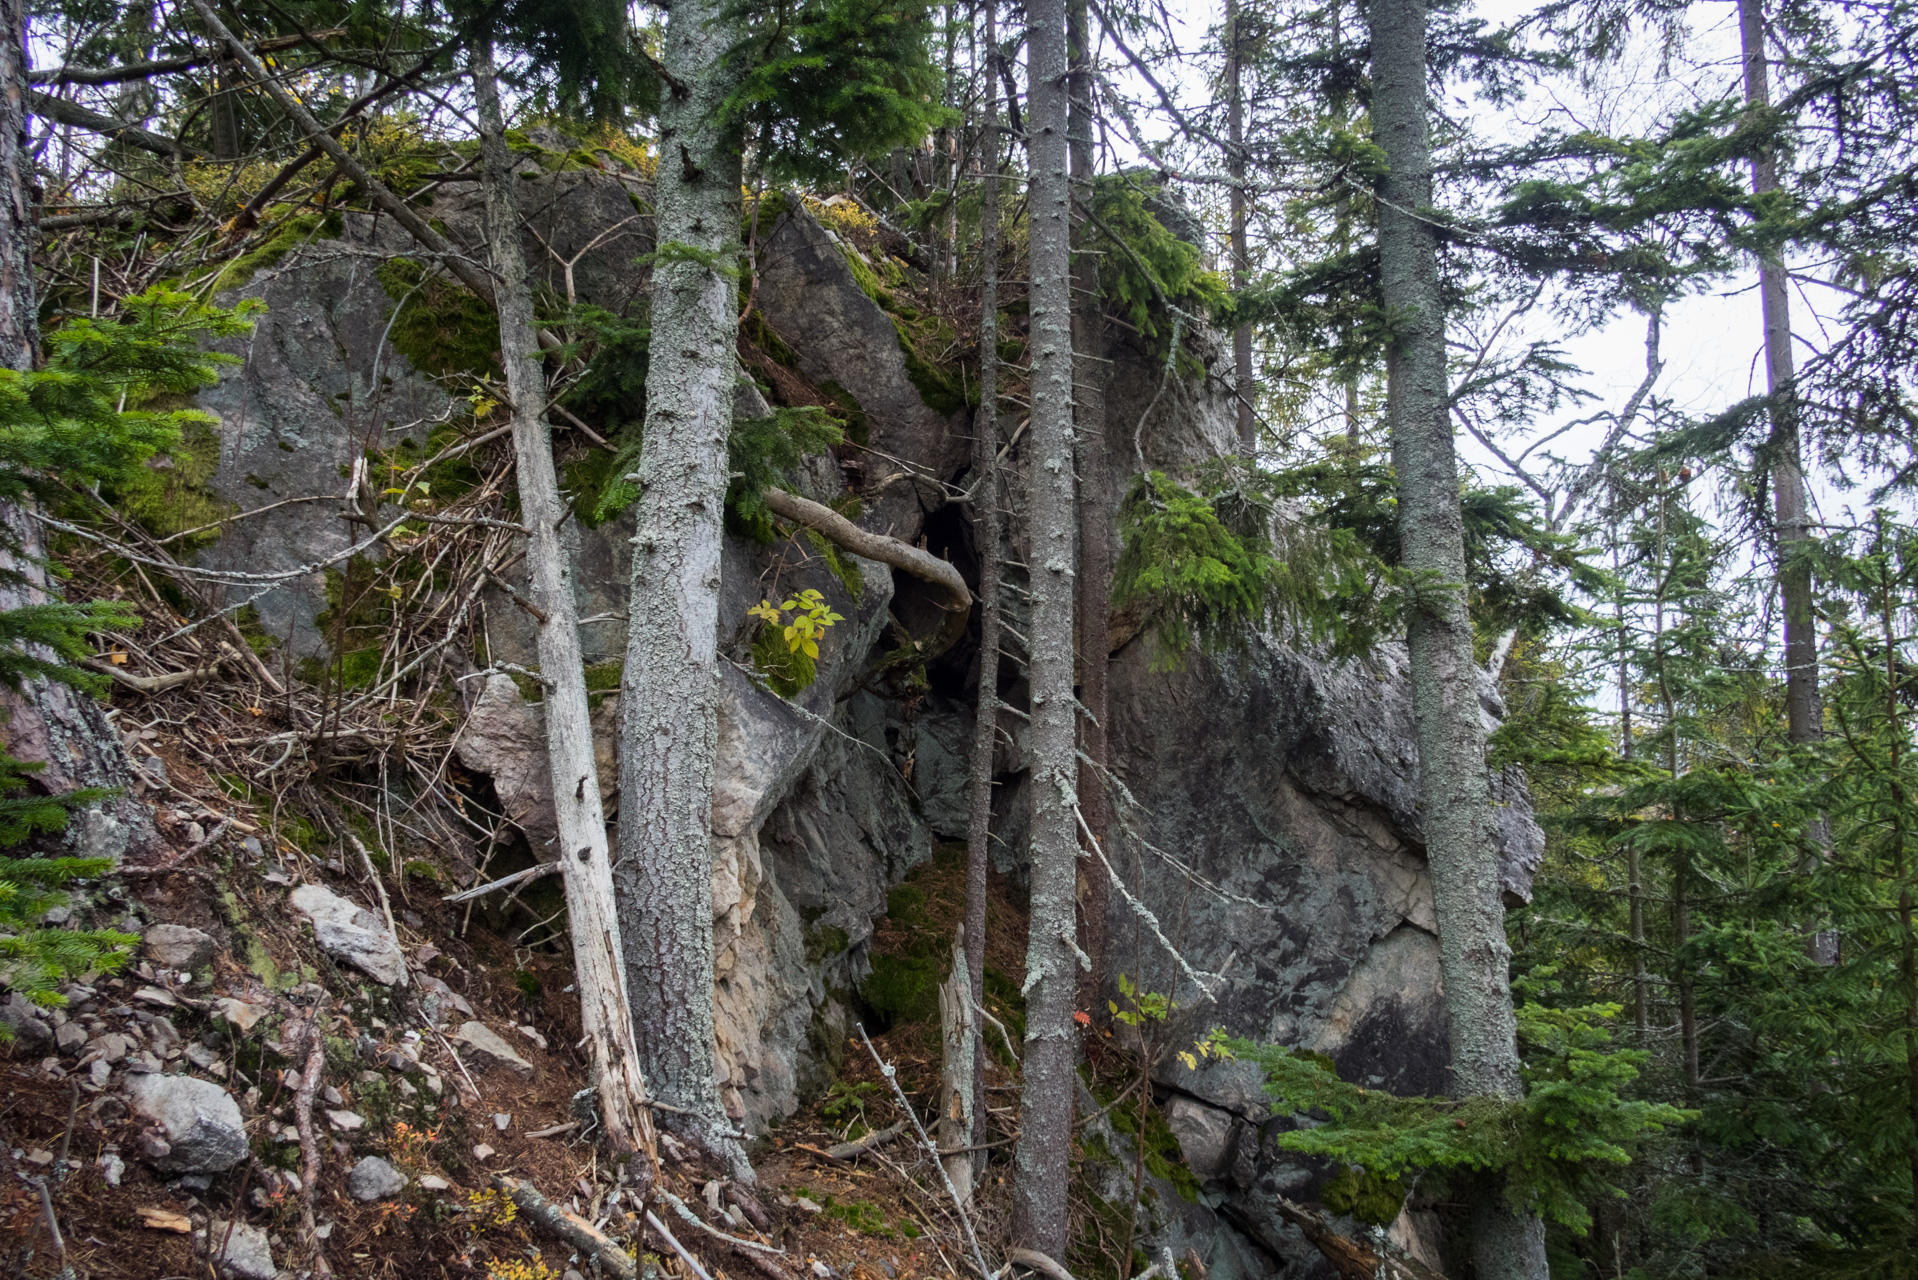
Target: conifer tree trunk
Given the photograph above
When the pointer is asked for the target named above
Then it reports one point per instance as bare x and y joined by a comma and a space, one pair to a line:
1042, 1157
599, 966
47, 721
986, 526
1454, 787
669, 701
1790, 503
1241, 257
1094, 604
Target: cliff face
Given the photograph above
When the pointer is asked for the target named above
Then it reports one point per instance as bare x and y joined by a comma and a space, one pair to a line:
1267, 821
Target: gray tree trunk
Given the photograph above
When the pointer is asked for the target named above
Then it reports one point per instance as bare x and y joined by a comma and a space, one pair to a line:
1454, 787
669, 702
1241, 258
1095, 511
1790, 504
1039, 1191
986, 531
599, 967
47, 721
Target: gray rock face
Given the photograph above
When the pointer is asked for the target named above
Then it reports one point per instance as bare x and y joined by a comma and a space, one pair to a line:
478, 1042
374, 1179
351, 934
242, 1252
175, 946
199, 1128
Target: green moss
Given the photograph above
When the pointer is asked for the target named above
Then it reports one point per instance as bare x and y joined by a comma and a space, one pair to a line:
1362, 1195
1163, 1158
943, 389
846, 408
825, 941
293, 233
528, 983
786, 672
442, 328
423, 870
842, 566
173, 492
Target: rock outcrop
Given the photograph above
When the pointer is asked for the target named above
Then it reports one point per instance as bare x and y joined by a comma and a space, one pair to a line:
1266, 812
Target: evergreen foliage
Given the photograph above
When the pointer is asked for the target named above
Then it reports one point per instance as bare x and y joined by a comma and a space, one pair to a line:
34, 958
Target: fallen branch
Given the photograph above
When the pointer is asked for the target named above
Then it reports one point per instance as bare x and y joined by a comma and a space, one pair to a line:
891, 1074
859, 1146
1033, 1260
309, 1140
154, 684
1351, 1258
683, 1210
685, 1256
877, 546
570, 1227
505, 881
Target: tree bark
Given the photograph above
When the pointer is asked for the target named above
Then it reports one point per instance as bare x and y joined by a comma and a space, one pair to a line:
1241, 258
1094, 605
47, 721
669, 704
1454, 787
986, 531
599, 966
1790, 502
1039, 1192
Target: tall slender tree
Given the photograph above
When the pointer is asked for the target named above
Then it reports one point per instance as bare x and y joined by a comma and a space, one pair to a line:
1044, 1151
592, 918
669, 695
1242, 386
1095, 507
1791, 507
987, 533
1461, 837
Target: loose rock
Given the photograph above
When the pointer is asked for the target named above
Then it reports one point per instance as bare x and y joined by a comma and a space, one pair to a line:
374, 1179
246, 1253
475, 1040
31, 1034
351, 934
175, 946
199, 1129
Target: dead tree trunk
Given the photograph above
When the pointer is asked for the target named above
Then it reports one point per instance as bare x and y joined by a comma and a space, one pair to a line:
599, 966
986, 537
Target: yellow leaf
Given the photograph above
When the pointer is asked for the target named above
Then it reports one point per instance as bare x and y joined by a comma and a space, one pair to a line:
118, 657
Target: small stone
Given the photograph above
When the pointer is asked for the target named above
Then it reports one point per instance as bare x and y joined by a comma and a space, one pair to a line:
69, 1037
482, 1152
808, 1205
821, 1270
406, 1088
29, 1024
39, 1157
239, 1013
175, 946
332, 1096
202, 1057
572, 1275
115, 1045
344, 1121
433, 1182
481, 1042
246, 1253
502, 1120
111, 1167
99, 1071
374, 1179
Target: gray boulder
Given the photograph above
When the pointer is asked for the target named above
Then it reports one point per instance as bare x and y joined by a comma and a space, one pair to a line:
374, 1179
351, 934
198, 1128
175, 946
